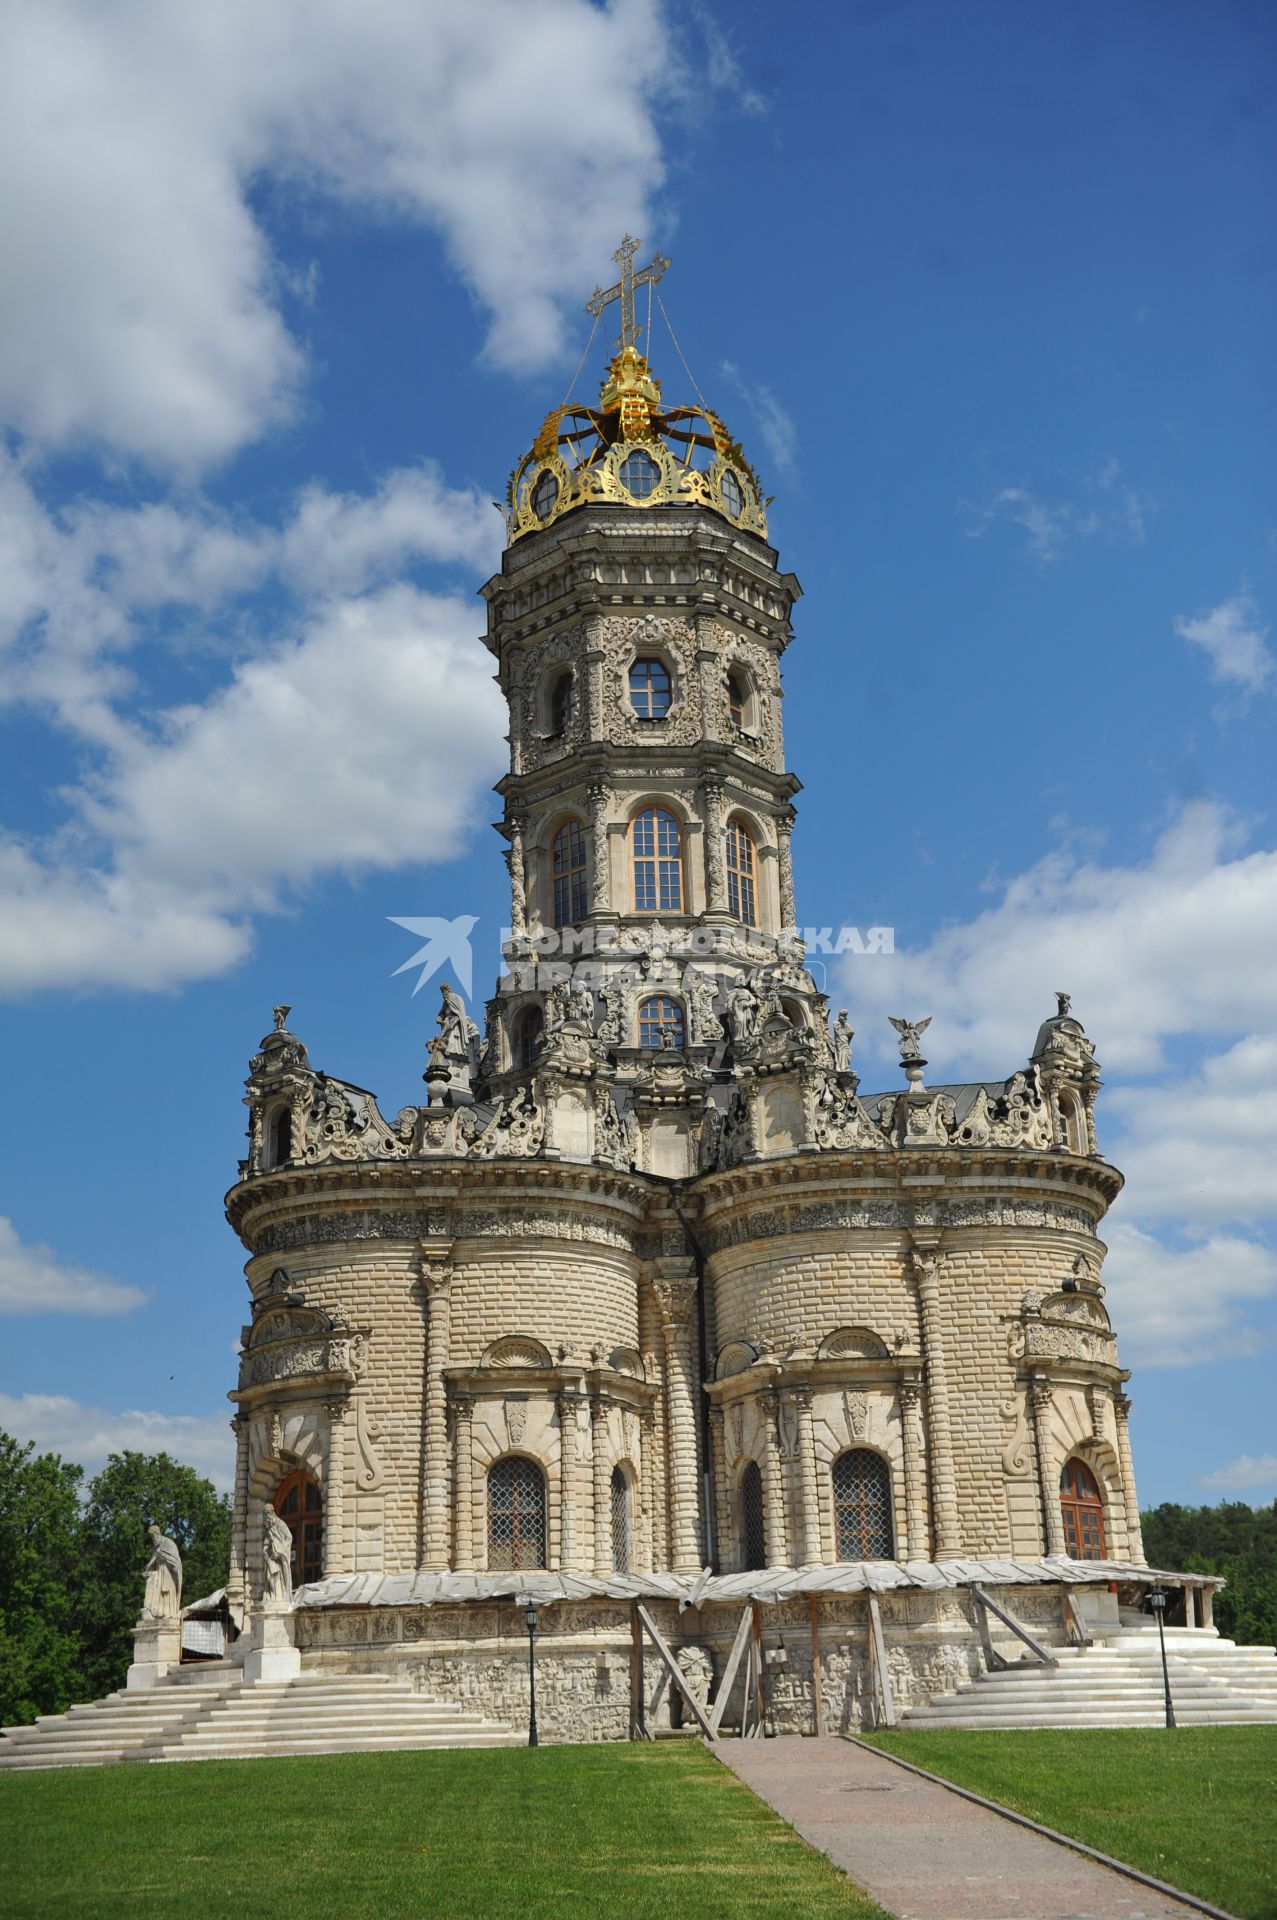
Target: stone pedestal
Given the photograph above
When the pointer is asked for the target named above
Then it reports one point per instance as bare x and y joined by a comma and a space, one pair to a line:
157, 1646
271, 1654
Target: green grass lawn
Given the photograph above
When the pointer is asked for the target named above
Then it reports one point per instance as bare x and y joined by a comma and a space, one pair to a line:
1196, 1806
637, 1831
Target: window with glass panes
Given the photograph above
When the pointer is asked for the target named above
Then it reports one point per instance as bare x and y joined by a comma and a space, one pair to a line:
529, 1037
740, 874
735, 701
567, 868
639, 474
650, 689
620, 1521
516, 1515
560, 704
1082, 1510
657, 860
300, 1505
753, 1537
657, 1017
862, 1506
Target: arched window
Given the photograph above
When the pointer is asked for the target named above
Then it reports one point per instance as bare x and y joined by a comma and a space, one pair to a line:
560, 704
1082, 1510
753, 1535
650, 689
567, 868
621, 1554
658, 1017
862, 1506
741, 902
516, 1515
529, 1037
737, 699
639, 474
300, 1505
732, 494
279, 1139
544, 495
657, 860
1074, 1127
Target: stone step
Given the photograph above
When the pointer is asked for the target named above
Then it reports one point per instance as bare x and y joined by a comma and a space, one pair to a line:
353, 1743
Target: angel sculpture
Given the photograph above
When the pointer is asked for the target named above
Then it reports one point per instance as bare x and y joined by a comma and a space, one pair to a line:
277, 1562
909, 1030
163, 1600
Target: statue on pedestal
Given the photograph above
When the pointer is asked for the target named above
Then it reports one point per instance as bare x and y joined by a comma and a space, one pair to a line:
277, 1562
163, 1598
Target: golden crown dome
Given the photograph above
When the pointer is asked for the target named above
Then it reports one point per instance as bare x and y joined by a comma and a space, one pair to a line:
631, 450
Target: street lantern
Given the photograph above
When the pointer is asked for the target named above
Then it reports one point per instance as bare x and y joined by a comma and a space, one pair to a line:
532, 1620
1157, 1600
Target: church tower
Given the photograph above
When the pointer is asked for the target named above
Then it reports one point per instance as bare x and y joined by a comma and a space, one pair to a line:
647, 1294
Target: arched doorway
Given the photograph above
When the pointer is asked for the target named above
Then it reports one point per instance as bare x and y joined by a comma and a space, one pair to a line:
300, 1505
1082, 1510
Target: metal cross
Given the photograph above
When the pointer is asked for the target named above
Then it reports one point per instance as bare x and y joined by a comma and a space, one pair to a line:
624, 288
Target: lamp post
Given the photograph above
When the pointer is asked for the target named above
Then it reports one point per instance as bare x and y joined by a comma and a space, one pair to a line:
1157, 1600
532, 1621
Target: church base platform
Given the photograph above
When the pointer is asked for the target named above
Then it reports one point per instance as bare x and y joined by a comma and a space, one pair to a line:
816, 1646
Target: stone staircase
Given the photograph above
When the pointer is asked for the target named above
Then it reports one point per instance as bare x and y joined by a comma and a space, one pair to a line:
1117, 1682
214, 1716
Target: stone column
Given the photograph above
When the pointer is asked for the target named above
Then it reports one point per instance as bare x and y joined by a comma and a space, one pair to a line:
463, 1487
812, 1547
436, 1285
720, 1483
788, 905
1041, 1395
335, 1489
565, 1406
710, 676
237, 1583
594, 727
715, 864
647, 1489
602, 1489
944, 1482
518, 877
600, 849
676, 1296
1134, 1537
916, 1546
775, 1517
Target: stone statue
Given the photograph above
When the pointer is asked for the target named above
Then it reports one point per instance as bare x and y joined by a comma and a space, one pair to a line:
163, 1599
1063, 1001
581, 1004
742, 1012
277, 1562
843, 1035
279, 1015
457, 1030
697, 1670
909, 1031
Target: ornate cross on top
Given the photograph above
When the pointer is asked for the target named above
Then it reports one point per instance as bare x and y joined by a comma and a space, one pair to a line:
624, 288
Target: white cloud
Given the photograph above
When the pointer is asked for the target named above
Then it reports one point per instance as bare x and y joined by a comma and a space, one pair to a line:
366, 743
34, 1280
1203, 1146
143, 309
86, 1435
1248, 1473
1176, 1307
1234, 642
1181, 944
1104, 507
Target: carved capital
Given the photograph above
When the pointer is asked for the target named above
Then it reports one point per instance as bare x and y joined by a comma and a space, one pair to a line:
1122, 1406
910, 1393
1041, 1394
801, 1399
676, 1297
436, 1270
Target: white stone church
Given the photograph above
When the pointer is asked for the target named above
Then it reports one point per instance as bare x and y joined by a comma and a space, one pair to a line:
789, 1406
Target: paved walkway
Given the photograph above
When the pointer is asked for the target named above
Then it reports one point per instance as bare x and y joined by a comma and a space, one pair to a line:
925, 1853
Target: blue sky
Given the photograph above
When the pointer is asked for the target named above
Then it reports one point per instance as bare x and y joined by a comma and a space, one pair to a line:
986, 291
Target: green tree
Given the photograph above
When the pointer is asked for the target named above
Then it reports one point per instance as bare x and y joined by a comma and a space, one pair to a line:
40, 1650
132, 1491
1233, 1539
